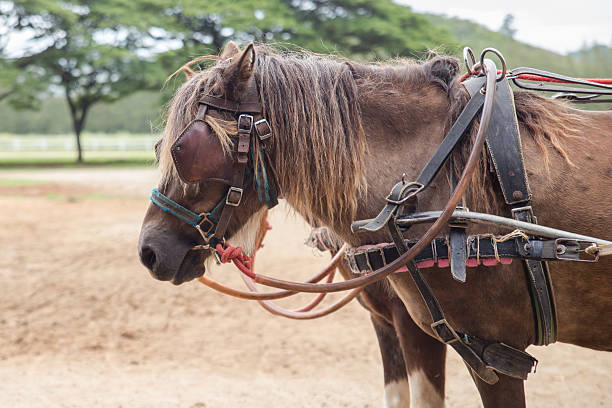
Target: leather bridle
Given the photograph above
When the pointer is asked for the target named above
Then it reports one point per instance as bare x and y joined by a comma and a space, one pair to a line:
212, 225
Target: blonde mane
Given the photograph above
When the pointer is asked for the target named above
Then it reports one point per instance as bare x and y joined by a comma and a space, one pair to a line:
318, 144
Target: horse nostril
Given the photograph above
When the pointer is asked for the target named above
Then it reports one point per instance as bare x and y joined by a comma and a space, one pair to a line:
147, 257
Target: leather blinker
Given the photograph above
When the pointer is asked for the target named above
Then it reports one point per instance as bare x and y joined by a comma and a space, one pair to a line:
199, 156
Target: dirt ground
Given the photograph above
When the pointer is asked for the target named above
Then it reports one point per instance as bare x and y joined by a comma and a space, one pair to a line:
82, 324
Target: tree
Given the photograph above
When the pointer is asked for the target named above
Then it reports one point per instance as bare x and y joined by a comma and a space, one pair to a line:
507, 27
356, 28
368, 29
90, 51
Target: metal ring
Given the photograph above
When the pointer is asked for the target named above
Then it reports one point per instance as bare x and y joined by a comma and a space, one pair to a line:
501, 58
467, 51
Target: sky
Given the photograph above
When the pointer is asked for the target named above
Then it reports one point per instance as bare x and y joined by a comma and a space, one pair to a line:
562, 26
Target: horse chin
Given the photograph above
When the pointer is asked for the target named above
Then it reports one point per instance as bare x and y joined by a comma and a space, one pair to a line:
191, 268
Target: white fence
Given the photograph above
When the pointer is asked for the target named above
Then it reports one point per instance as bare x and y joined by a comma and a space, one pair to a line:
90, 142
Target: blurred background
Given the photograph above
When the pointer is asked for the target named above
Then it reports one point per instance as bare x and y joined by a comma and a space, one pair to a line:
82, 95
84, 80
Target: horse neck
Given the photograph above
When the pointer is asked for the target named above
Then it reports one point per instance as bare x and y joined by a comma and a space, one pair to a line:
404, 125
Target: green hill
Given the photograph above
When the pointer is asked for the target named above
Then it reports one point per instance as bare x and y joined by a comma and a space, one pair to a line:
595, 61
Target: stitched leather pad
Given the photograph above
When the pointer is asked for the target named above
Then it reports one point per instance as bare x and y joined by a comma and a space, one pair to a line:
198, 155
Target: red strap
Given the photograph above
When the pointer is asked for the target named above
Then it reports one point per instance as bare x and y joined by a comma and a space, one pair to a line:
528, 77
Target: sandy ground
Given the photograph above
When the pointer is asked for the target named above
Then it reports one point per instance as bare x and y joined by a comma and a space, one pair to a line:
82, 324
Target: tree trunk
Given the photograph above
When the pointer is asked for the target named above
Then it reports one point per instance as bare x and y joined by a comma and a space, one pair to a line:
78, 112
77, 133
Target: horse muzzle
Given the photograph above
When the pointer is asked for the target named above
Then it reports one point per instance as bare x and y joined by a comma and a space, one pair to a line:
169, 258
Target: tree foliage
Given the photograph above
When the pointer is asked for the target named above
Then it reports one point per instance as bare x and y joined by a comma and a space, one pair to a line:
91, 51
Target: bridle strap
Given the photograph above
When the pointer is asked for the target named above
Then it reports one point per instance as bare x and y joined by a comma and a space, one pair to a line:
235, 192
247, 106
175, 208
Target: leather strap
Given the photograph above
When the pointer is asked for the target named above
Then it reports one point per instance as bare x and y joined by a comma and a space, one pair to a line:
234, 194
443, 329
457, 238
232, 106
470, 348
479, 248
504, 147
506, 153
540, 290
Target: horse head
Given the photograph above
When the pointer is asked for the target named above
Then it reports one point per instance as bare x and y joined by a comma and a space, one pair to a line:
214, 185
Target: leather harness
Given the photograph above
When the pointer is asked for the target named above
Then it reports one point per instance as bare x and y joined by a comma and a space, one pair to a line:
504, 148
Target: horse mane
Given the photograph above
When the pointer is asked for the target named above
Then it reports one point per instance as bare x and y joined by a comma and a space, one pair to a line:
312, 101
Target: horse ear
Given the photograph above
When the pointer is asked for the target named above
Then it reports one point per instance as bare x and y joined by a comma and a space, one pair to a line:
444, 68
237, 74
229, 50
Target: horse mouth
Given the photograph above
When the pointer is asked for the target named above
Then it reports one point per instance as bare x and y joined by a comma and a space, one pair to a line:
191, 268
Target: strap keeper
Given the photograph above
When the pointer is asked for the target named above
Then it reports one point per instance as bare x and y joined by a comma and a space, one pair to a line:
234, 196
262, 127
447, 336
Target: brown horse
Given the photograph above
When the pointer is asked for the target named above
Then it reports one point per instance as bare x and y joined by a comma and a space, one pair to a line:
344, 133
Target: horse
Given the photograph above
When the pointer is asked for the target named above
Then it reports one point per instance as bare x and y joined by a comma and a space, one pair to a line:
342, 133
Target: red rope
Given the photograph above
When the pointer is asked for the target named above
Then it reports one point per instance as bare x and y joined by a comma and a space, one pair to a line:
243, 262
529, 77
235, 255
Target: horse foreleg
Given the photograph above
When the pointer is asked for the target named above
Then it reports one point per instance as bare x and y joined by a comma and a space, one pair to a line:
397, 391
508, 392
425, 359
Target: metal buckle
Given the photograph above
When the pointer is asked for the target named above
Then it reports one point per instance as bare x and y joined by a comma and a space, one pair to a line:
413, 189
205, 233
450, 330
205, 219
229, 201
245, 123
266, 132
567, 249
